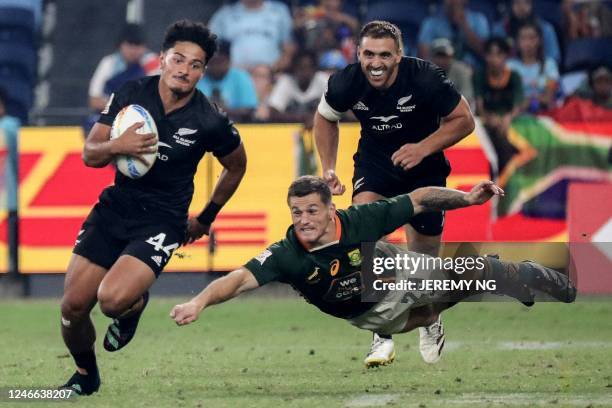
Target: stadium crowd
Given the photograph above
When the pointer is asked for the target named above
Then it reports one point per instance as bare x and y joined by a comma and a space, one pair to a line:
275, 56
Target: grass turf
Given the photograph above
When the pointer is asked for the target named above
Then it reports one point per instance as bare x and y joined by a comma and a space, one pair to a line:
282, 352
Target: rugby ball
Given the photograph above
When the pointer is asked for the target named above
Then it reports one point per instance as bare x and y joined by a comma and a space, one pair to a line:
128, 165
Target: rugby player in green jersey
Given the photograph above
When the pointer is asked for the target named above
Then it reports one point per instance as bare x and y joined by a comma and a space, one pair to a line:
320, 257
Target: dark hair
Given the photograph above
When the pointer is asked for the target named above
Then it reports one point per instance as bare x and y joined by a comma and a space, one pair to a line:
540, 52
498, 42
192, 31
131, 34
223, 47
382, 29
311, 55
306, 185
3, 96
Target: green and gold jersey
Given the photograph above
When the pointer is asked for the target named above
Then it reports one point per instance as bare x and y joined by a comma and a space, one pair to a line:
330, 276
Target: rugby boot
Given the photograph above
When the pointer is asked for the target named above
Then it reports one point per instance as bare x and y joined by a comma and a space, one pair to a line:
83, 384
431, 341
382, 352
121, 331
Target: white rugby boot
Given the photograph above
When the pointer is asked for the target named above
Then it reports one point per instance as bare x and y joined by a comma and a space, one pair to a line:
382, 352
431, 341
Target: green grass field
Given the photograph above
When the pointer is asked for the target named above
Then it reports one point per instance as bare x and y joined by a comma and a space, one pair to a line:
283, 352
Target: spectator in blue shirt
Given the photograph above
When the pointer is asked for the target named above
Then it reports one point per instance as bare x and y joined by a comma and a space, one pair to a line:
230, 88
521, 12
259, 30
9, 131
466, 29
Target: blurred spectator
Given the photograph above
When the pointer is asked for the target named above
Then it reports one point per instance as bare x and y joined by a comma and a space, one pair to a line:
295, 96
499, 97
36, 6
443, 55
326, 28
521, 11
9, 129
539, 74
598, 88
259, 31
132, 60
585, 19
262, 78
467, 30
332, 61
231, 88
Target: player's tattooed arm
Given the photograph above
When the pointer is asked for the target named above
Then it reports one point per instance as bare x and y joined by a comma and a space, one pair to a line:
439, 198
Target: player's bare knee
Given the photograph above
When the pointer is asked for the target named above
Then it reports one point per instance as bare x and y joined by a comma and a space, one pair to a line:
111, 307
73, 310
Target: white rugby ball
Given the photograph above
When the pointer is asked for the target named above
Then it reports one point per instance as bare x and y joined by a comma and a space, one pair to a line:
128, 165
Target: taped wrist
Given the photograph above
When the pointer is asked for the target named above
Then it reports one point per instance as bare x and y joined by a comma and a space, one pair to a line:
209, 214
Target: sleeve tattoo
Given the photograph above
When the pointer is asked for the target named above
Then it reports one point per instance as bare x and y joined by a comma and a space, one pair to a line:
439, 199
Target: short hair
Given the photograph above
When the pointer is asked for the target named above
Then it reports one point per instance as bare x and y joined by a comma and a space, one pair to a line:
382, 29
306, 54
306, 185
192, 31
498, 42
132, 34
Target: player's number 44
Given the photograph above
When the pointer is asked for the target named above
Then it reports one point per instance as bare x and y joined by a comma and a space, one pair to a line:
158, 244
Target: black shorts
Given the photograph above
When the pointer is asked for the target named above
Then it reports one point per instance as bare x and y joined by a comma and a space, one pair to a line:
105, 236
390, 184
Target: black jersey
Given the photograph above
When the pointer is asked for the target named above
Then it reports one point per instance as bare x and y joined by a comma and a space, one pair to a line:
407, 112
330, 277
185, 135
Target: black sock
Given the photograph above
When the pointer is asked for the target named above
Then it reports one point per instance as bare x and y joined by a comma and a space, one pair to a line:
87, 361
385, 336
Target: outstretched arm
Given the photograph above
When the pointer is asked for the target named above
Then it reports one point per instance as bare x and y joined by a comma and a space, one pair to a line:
439, 198
220, 290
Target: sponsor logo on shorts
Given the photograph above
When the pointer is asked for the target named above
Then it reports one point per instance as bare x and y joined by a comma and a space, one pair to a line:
263, 256
360, 106
401, 104
358, 183
157, 259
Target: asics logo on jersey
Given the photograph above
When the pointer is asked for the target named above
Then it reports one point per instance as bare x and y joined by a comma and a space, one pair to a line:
360, 106
385, 119
401, 104
358, 183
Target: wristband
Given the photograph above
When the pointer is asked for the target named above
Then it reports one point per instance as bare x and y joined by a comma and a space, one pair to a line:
209, 214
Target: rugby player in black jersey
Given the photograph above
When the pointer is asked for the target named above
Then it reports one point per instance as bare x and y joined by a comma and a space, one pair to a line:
320, 257
409, 112
130, 234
